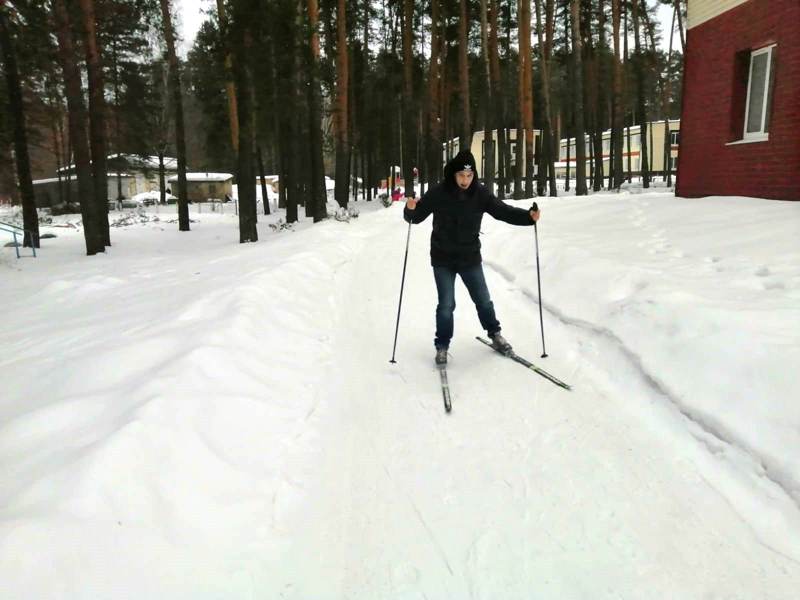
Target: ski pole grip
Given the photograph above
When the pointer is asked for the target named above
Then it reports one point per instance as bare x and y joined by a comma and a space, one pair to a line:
535, 207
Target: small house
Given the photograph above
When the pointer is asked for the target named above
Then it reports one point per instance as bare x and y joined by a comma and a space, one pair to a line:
204, 187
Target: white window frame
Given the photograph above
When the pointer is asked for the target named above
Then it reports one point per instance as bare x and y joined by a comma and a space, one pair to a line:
674, 137
759, 135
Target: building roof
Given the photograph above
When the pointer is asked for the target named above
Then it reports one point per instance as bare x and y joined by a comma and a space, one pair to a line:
135, 160
211, 177
148, 162
55, 179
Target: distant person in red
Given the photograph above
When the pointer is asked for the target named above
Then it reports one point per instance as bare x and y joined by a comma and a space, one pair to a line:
397, 195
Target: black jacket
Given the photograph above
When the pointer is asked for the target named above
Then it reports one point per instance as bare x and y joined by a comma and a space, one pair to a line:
457, 216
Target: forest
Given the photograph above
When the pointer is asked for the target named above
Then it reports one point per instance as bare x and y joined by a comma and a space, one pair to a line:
309, 88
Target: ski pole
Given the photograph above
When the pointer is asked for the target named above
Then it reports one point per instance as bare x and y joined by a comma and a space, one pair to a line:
534, 208
402, 285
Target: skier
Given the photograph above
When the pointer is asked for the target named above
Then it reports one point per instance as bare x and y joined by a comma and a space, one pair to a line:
458, 204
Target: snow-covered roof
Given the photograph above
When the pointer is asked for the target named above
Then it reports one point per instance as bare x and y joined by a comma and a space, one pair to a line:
135, 160
203, 177
73, 178
149, 162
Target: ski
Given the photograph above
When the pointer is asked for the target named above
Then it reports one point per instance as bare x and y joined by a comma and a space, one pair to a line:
445, 387
515, 357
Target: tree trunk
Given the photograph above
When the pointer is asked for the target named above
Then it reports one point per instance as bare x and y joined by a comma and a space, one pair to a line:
162, 189
465, 135
245, 173
117, 128
434, 102
617, 102
602, 97
644, 167
318, 192
665, 107
77, 129
545, 47
341, 112
264, 192
409, 110
580, 142
627, 100
526, 99
30, 219
230, 92
499, 100
680, 25
488, 134
97, 119
180, 134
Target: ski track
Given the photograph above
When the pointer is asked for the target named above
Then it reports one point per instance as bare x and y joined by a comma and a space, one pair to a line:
405, 487
659, 388
525, 490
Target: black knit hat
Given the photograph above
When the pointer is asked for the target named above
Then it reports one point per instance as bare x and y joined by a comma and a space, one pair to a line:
463, 161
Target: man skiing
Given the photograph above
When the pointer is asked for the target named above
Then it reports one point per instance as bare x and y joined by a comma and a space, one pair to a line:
458, 204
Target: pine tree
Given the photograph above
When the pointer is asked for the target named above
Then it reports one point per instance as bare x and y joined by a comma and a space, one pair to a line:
77, 128
30, 219
177, 100
97, 117
341, 114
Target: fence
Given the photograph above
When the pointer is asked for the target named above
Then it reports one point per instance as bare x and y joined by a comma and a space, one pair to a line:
16, 231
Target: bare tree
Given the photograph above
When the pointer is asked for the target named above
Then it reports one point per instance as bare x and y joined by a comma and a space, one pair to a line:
617, 102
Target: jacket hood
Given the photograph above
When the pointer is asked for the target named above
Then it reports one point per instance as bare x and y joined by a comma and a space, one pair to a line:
458, 163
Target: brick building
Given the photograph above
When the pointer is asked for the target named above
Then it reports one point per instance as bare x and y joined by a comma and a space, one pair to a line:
741, 102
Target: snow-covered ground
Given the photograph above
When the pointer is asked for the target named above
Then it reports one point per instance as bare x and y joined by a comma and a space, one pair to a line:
188, 417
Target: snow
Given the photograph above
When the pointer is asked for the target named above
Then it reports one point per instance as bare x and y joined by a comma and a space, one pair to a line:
190, 417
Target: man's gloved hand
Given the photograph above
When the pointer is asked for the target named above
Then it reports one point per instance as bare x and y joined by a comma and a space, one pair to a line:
534, 212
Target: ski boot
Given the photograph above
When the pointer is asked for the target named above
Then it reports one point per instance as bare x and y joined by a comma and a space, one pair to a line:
500, 343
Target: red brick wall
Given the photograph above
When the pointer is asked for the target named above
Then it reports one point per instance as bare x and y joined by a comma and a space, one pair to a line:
713, 107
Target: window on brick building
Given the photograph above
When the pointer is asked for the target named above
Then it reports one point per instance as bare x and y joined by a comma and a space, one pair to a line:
675, 138
759, 93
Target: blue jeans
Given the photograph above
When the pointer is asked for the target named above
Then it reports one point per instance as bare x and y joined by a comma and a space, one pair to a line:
476, 286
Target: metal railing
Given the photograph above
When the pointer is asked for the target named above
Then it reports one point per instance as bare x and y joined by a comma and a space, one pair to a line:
15, 231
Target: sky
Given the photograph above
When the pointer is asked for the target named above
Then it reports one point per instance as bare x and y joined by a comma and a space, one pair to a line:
185, 416
192, 15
